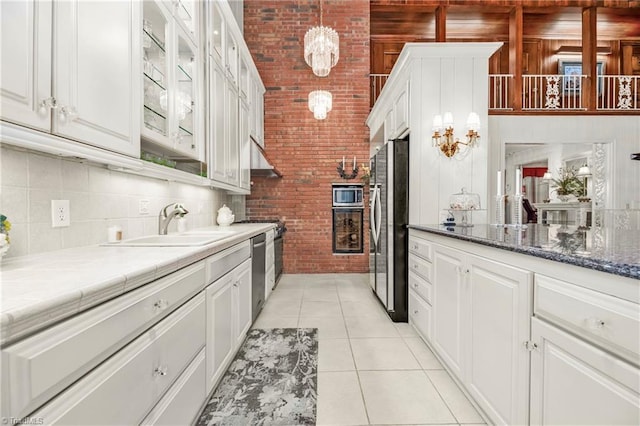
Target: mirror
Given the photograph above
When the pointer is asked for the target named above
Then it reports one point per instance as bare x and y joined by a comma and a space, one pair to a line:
537, 158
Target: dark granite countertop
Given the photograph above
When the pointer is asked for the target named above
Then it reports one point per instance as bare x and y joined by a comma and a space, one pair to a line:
615, 251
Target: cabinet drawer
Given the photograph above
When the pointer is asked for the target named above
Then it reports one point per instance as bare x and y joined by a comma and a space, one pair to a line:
420, 247
77, 345
613, 323
125, 388
420, 314
223, 262
421, 286
420, 266
180, 405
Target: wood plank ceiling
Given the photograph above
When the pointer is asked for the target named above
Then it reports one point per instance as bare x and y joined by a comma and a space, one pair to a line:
488, 20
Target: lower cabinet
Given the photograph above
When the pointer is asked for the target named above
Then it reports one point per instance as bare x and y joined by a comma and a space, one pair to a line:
549, 345
123, 389
562, 364
228, 319
481, 313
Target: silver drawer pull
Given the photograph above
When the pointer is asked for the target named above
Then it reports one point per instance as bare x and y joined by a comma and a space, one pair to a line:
415, 285
160, 371
161, 304
415, 266
415, 312
595, 323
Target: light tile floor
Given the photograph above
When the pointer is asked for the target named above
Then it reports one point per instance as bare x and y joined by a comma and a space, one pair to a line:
370, 370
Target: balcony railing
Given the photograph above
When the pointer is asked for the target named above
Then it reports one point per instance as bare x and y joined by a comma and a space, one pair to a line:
542, 92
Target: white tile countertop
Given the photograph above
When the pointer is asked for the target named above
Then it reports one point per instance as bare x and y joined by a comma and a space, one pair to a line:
38, 290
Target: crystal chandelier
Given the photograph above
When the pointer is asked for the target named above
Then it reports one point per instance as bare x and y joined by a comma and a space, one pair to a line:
320, 103
321, 48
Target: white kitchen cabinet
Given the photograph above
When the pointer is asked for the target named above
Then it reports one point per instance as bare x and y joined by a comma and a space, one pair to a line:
244, 142
389, 125
172, 89
574, 382
84, 100
481, 312
232, 127
187, 14
79, 344
401, 112
497, 368
449, 306
127, 386
25, 82
256, 123
220, 334
420, 285
183, 400
228, 319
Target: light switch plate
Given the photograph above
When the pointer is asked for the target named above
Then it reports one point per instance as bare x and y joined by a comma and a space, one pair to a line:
60, 213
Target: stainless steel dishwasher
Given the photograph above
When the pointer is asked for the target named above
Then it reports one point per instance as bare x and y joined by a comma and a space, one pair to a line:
258, 248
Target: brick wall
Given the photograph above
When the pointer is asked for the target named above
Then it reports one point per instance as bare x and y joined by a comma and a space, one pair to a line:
305, 150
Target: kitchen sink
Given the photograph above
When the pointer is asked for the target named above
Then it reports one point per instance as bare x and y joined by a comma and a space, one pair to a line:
172, 240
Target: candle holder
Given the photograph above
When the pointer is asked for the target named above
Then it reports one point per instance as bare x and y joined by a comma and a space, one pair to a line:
342, 173
500, 211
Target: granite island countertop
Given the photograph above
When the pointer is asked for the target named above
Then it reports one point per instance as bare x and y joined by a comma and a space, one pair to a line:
41, 289
615, 251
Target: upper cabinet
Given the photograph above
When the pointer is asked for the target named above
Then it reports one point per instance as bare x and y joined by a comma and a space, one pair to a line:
235, 108
171, 75
54, 76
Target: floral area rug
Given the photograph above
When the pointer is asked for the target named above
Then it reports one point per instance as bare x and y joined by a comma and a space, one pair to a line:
272, 381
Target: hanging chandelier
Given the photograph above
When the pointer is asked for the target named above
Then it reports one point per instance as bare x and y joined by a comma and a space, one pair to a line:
320, 103
321, 48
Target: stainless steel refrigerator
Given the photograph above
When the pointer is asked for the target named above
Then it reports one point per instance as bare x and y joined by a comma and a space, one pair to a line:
389, 209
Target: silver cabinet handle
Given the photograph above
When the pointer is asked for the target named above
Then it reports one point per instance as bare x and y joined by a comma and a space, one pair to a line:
595, 323
161, 304
161, 370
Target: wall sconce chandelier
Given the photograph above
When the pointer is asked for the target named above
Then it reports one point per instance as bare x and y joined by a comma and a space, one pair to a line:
320, 103
321, 48
445, 141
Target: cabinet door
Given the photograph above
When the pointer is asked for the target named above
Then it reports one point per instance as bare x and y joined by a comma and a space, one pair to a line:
245, 147
216, 32
401, 112
231, 136
219, 328
155, 72
231, 57
186, 14
187, 97
497, 371
448, 306
96, 75
217, 96
243, 299
573, 382
25, 81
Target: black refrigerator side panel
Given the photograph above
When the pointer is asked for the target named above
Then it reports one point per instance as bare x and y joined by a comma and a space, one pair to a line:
400, 231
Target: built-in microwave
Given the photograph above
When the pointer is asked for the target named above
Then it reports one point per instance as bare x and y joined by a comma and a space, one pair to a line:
347, 195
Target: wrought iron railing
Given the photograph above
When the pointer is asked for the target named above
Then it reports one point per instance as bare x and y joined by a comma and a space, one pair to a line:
551, 92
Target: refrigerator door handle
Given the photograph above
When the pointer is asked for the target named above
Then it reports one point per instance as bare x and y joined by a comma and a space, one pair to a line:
378, 214
372, 216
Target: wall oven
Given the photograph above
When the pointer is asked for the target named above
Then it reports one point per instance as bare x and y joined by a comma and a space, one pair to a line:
348, 208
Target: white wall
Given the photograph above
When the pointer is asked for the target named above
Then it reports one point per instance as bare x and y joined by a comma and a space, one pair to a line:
98, 199
456, 82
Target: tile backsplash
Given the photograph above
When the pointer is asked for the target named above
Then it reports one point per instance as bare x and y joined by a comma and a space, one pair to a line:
98, 198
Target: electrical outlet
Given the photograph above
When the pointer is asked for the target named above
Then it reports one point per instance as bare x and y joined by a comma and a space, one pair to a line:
143, 206
60, 213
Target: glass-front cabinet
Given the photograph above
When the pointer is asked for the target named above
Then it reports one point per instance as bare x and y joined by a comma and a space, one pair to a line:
216, 33
170, 73
186, 13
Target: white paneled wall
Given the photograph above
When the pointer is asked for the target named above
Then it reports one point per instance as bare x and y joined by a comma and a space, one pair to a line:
98, 199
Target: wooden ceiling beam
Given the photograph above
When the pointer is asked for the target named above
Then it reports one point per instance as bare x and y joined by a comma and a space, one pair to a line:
589, 53
441, 24
516, 42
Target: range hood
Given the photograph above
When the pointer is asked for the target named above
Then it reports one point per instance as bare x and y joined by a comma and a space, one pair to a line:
260, 166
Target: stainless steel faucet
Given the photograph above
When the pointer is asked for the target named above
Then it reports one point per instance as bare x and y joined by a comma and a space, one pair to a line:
164, 218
